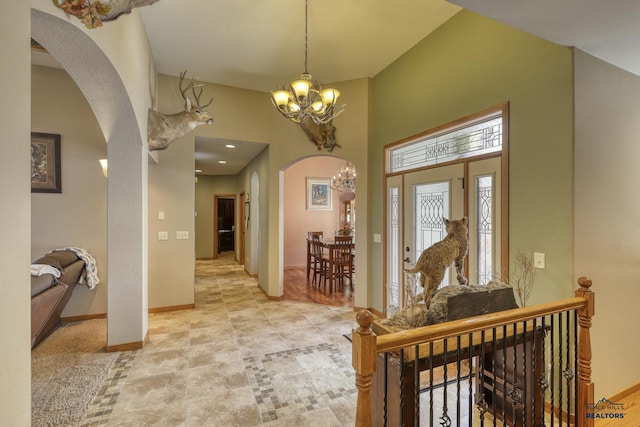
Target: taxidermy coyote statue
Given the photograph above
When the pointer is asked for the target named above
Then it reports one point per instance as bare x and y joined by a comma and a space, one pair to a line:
434, 260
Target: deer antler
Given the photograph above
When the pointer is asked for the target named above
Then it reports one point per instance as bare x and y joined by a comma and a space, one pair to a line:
197, 97
187, 101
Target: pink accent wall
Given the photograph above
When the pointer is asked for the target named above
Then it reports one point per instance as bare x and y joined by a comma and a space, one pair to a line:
297, 219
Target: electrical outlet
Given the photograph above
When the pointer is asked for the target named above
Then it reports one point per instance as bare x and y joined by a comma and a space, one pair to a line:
160, 216
163, 235
182, 235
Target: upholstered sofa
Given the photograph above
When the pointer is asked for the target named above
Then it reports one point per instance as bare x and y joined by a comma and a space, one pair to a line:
49, 295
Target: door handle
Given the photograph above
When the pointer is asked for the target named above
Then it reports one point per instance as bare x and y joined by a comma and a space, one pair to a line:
407, 259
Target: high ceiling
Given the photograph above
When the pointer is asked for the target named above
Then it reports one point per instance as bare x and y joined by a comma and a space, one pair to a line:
259, 44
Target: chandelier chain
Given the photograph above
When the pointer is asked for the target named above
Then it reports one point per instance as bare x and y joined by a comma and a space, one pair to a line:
306, 31
305, 98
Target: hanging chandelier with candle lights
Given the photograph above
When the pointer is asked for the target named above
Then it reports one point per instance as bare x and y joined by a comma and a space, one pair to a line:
305, 98
345, 180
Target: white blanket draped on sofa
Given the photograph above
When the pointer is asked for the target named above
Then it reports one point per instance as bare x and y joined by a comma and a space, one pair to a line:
90, 274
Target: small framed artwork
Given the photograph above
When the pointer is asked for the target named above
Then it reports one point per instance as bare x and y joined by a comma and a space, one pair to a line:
45, 163
318, 194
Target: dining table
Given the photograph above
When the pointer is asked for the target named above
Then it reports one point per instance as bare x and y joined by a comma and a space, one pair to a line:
327, 244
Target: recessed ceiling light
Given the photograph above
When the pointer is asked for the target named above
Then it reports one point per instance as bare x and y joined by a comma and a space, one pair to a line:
222, 161
230, 146
198, 170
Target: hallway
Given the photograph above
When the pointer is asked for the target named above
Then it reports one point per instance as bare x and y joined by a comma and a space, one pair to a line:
237, 358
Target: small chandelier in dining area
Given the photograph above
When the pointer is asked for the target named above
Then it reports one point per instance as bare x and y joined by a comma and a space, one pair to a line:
305, 98
345, 180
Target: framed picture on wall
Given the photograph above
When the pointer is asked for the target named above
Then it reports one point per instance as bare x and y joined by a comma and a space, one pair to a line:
318, 194
45, 163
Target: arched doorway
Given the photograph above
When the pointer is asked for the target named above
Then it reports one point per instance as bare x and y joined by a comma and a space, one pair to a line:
101, 84
300, 215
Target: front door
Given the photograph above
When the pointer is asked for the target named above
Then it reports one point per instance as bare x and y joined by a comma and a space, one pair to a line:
416, 204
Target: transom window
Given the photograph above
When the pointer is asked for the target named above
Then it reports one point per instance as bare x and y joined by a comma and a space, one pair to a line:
482, 136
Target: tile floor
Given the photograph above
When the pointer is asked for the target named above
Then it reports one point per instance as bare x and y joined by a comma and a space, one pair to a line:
237, 359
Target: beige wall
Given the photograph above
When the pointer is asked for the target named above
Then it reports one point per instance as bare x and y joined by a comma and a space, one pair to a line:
607, 239
469, 64
77, 216
15, 228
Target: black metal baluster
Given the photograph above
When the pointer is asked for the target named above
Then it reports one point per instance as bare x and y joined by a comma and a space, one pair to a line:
431, 383
525, 407
445, 421
575, 353
514, 394
458, 367
542, 379
534, 374
470, 399
481, 402
552, 373
504, 375
494, 392
560, 361
386, 388
568, 373
416, 385
401, 414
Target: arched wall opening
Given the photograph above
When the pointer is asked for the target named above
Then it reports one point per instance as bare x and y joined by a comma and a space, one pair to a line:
299, 213
101, 84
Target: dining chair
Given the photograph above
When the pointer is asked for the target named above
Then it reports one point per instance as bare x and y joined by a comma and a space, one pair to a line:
312, 259
317, 266
342, 261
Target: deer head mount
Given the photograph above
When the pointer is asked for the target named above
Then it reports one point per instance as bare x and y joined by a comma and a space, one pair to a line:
163, 129
322, 135
92, 13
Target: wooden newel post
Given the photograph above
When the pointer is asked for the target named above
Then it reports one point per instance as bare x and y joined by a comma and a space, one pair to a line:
585, 386
363, 359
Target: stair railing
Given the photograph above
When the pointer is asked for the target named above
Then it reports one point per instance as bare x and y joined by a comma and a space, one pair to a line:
559, 365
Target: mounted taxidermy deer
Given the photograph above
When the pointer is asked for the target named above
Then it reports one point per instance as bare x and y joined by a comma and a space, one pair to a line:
163, 129
93, 13
322, 135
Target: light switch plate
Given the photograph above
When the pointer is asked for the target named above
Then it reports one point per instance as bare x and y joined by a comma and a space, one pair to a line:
538, 260
163, 235
182, 235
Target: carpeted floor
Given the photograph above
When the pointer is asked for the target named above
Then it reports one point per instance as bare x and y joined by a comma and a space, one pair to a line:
64, 385
67, 372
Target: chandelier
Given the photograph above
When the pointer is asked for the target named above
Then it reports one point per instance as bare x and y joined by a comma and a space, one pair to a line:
305, 98
345, 180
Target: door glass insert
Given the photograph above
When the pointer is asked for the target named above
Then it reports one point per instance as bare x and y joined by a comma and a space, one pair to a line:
484, 217
393, 235
432, 203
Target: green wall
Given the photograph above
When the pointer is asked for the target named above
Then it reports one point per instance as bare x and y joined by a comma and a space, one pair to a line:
469, 64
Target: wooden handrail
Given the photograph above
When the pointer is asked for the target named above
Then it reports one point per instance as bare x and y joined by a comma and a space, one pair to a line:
398, 340
366, 345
